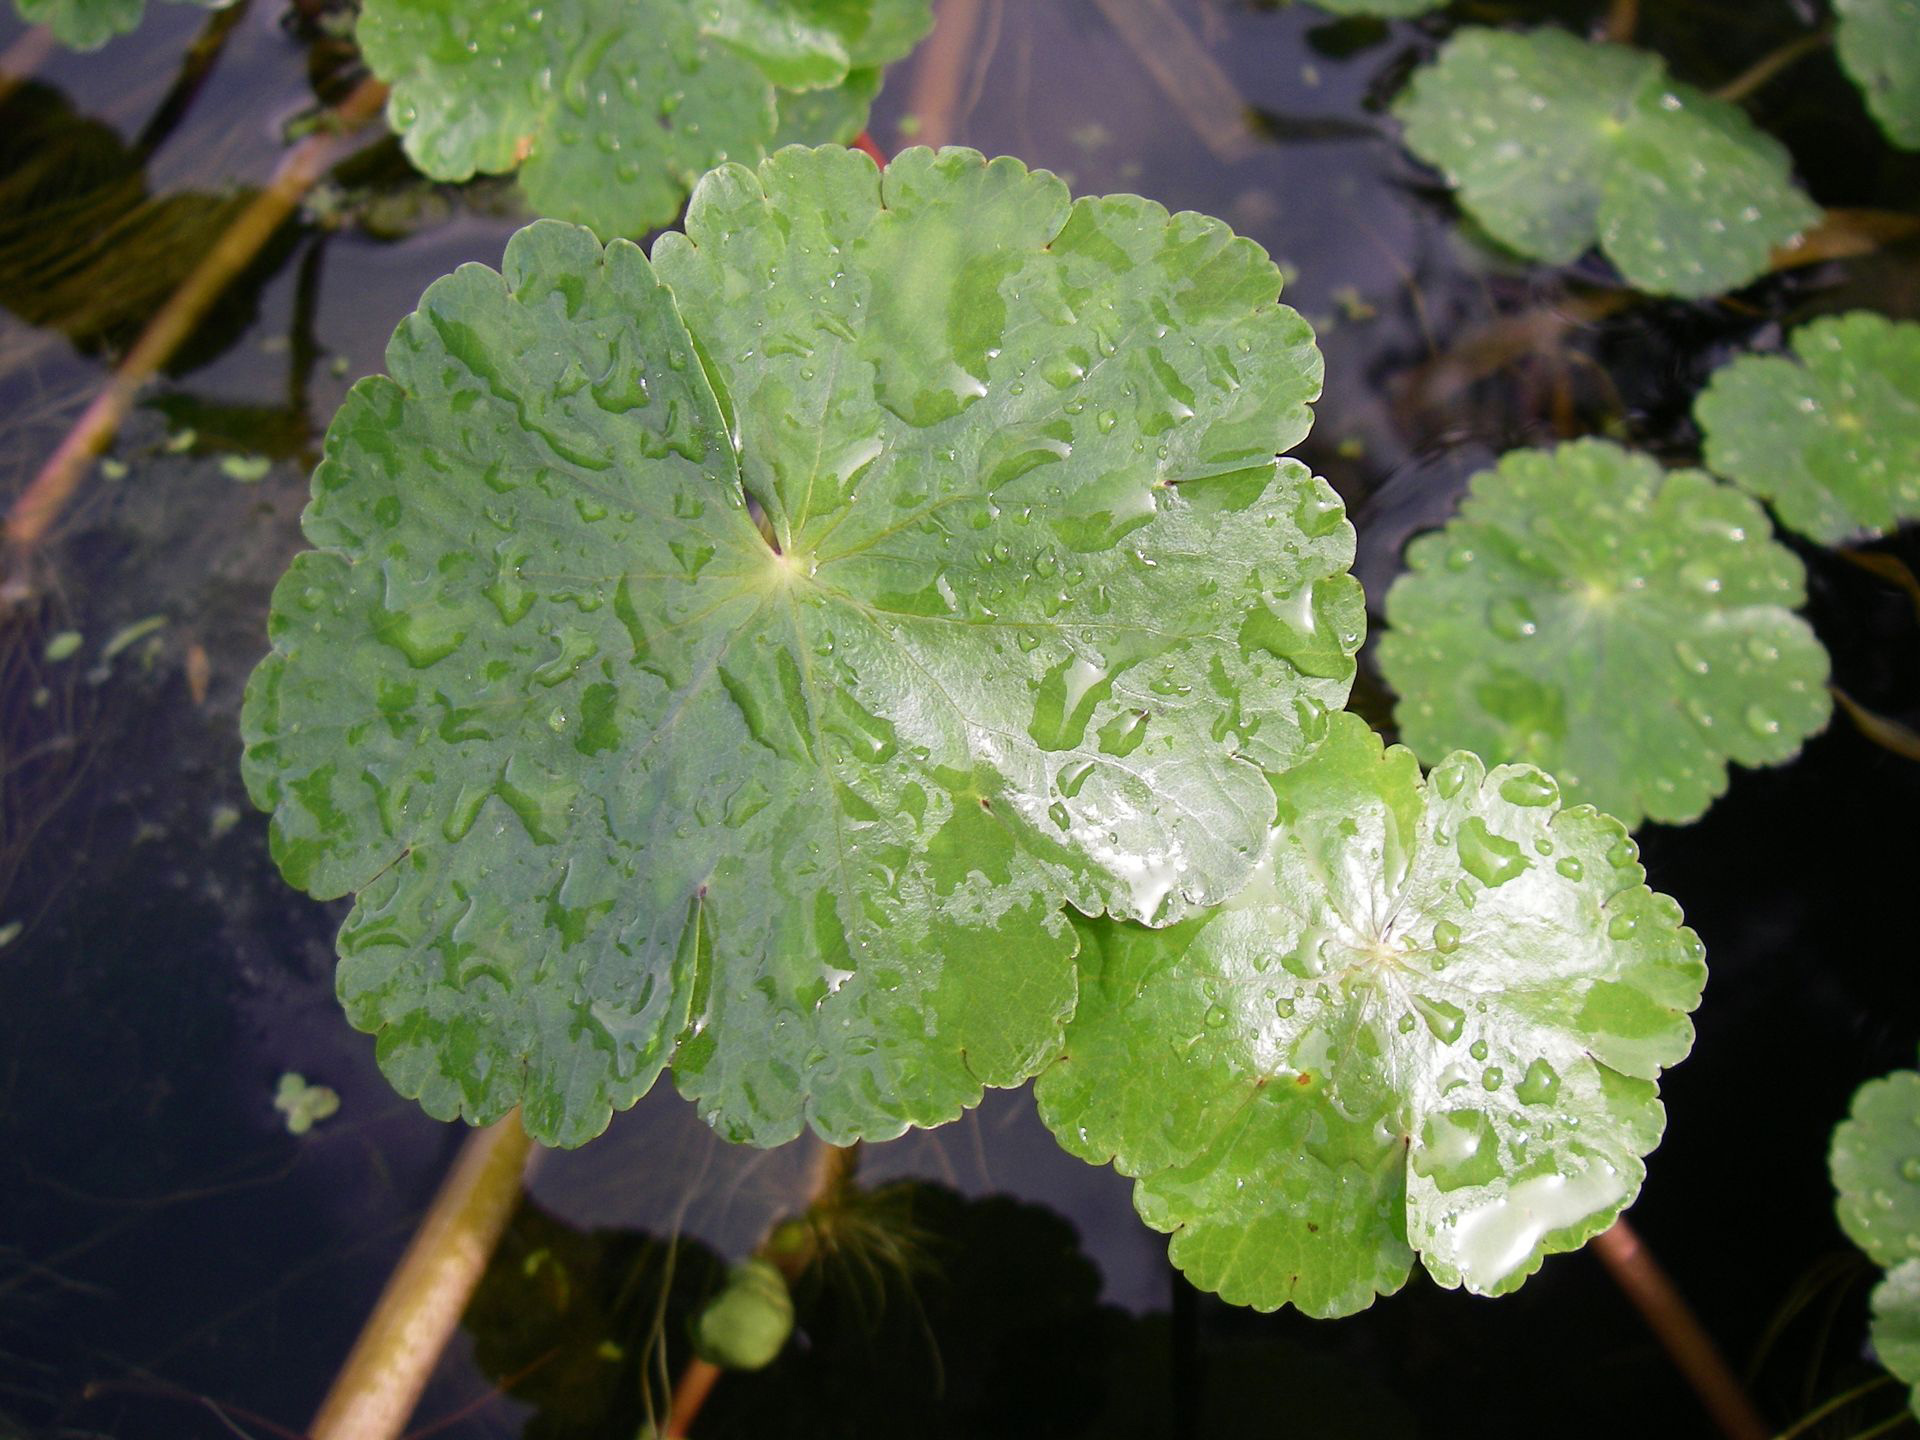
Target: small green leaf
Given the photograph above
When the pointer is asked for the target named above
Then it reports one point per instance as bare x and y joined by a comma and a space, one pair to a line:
1430, 1025
64, 645
303, 1105
1831, 437
1879, 46
89, 24
1876, 1169
247, 469
747, 1324
1896, 1326
610, 108
1556, 142
619, 779
1628, 628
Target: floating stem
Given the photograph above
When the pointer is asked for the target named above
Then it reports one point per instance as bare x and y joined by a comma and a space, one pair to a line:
376, 1390
1680, 1332
35, 510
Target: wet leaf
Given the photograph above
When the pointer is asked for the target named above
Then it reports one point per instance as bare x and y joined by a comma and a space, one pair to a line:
1896, 1326
612, 774
1875, 1162
89, 24
1876, 1168
1628, 628
1878, 42
611, 108
1555, 143
1829, 437
1431, 1026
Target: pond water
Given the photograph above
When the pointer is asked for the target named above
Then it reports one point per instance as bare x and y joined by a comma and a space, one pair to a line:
174, 1263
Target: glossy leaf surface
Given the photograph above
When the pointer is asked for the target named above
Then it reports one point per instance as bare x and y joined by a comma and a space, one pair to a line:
89, 24
611, 108
1431, 1025
1878, 42
1556, 143
1875, 1162
1829, 437
613, 773
1631, 629
1876, 1169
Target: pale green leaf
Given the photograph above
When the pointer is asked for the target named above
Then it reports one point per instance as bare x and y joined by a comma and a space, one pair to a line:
611, 108
89, 24
614, 775
1431, 1026
1896, 1326
1830, 437
1630, 629
1556, 143
1879, 46
1875, 1162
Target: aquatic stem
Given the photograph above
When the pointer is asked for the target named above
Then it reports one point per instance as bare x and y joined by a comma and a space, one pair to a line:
376, 1390
833, 1169
1680, 1332
1839, 1402
1772, 63
20, 59
34, 511
943, 60
1623, 18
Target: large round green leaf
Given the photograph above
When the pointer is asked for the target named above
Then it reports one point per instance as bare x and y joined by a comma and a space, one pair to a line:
89, 24
1831, 437
612, 772
1556, 142
1431, 1025
1629, 628
611, 108
1879, 46
1876, 1168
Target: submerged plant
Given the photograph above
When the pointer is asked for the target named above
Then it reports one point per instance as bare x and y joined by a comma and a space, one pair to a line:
610, 109
1628, 628
1557, 143
1830, 436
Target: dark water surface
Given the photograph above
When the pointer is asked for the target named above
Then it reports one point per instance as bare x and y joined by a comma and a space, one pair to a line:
174, 1263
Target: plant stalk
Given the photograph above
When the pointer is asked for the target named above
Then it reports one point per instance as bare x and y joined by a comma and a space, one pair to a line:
1680, 1332
1770, 65
935, 101
833, 1169
375, 1392
20, 59
1623, 18
35, 510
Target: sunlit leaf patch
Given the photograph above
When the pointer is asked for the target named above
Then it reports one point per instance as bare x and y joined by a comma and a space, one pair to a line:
1431, 1025
737, 659
1631, 629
